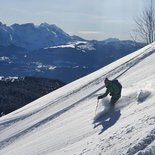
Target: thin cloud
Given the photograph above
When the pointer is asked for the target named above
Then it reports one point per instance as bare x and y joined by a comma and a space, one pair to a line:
99, 35
116, 21
89, 32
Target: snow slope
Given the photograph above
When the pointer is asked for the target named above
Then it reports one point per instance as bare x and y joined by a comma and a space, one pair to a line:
61, 123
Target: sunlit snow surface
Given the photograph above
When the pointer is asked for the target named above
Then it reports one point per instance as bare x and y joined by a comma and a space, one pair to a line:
69, 121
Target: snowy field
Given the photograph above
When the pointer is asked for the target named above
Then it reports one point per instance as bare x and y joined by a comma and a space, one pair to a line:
69, 122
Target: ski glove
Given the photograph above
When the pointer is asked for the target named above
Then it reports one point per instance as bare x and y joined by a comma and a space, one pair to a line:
99, 97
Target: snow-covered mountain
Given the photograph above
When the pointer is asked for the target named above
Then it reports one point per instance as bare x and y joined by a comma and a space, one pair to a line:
65, 62
30, 36
62, 122
46, 50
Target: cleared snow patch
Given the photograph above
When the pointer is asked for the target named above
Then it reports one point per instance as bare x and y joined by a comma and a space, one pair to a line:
62, 46
5, 59
80, 45
12, 79
43, 66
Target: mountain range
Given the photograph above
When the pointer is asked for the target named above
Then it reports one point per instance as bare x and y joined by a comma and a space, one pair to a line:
30, 36
47, 51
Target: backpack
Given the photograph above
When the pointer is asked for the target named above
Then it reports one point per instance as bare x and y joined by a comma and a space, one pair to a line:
117, 83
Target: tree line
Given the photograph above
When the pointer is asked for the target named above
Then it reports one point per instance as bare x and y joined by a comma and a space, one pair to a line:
14, 94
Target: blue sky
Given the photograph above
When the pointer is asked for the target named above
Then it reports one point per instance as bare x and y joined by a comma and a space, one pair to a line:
90, 19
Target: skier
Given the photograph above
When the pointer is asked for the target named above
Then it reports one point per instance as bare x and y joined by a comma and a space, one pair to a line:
114, 88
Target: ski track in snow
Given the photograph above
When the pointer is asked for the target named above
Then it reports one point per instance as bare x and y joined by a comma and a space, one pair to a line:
116, 72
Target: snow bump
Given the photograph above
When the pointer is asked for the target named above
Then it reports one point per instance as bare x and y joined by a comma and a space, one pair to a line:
144, 146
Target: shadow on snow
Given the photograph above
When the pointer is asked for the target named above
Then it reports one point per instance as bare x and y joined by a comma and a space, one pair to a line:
107, 119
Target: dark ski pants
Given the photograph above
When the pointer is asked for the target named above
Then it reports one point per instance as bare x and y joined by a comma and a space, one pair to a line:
114, 99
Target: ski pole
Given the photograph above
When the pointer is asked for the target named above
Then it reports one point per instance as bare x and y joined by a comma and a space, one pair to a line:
126, 96
96, 106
